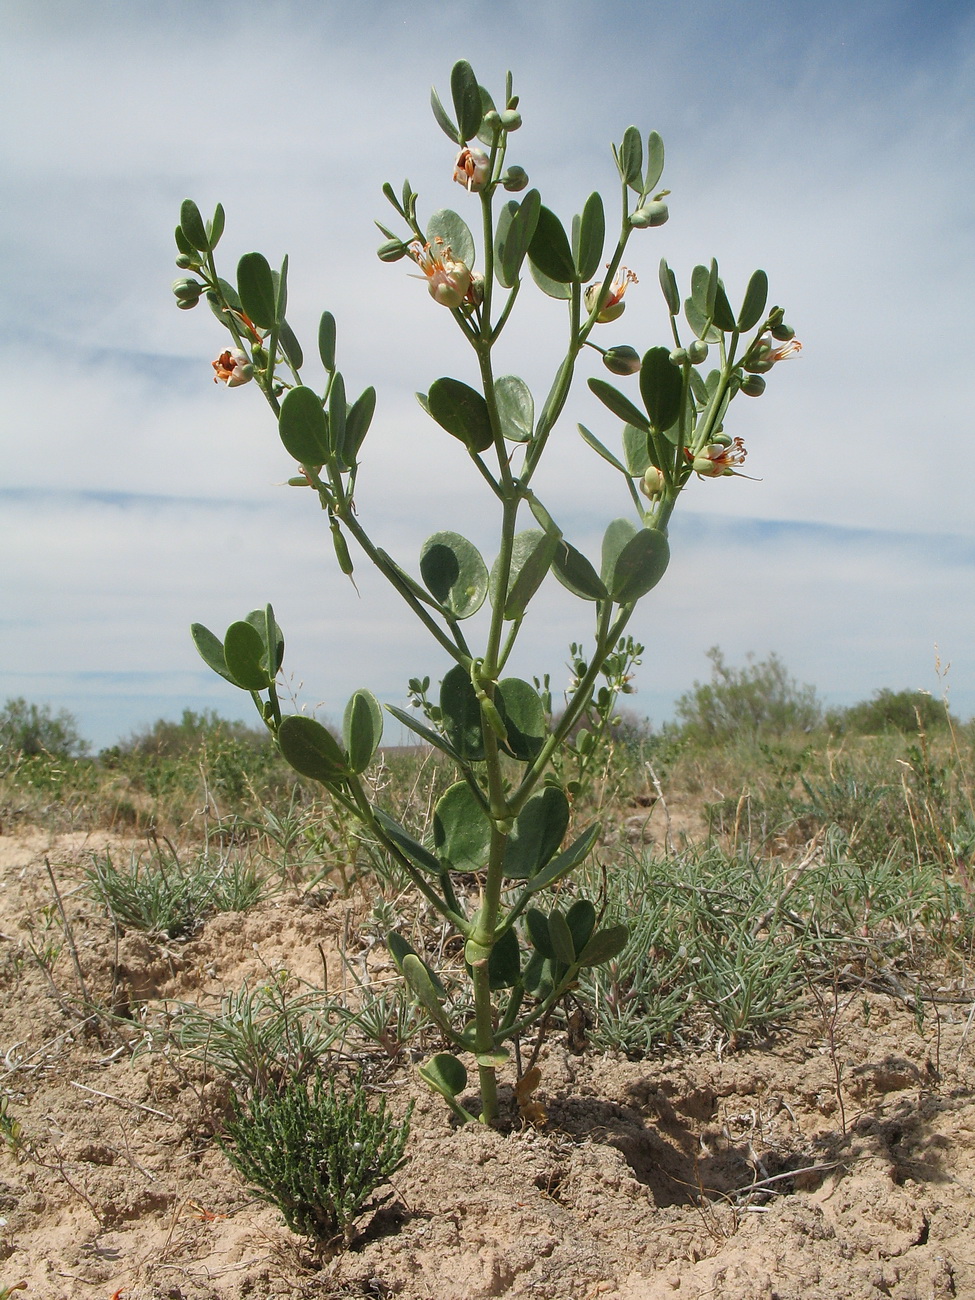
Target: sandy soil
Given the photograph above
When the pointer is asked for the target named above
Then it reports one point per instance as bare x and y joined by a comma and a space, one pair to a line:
753, 1175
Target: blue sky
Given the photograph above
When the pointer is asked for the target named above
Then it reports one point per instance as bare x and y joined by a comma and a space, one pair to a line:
830, 144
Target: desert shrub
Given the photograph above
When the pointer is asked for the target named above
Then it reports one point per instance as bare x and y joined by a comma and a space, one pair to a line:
162, 893
705, 949
316, 1153
905, 711
168, 761
760, 700
261, 1038
28, 730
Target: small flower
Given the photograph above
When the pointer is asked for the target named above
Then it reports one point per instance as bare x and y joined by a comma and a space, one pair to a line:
613, 307
472, 169
233, 368
763, 355
447, 279
717, 459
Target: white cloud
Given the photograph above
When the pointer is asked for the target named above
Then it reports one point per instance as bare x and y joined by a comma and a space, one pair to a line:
822, 145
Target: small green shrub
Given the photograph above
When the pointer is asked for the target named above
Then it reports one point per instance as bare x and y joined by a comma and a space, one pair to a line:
316, 1153
30, 729
761, 699
162, 894
904, 711
258, 1038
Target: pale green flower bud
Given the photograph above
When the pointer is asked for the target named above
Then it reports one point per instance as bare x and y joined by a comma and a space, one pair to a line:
514, 179
622, 360
652, 483
511, 119
697, 351
391, 251
187, 290
651, 214
753, 386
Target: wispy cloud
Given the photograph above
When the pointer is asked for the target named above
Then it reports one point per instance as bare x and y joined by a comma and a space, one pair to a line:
821, 143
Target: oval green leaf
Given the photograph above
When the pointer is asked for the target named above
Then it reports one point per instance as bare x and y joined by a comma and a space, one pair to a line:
303, 427
756, 296
191, 224
461, 715
462, 411
504, 964
576, 574
604, 945
445, 1074
515, 407
455, 233
326, 340
668, 285
552, 287
362, 729
636, 448
461, 830
549, 248
523, 716
357, 423
210, 648
655, 162
454, 573
312, 750
617, 535
559, 867
537, 833
581, 920
661, 387
631, 159
592, 236
516, 226
560, 937
621, 406
271, 636
466, 95
536, 923
407, 845
639, 566
255, 284
244, 651
532, 554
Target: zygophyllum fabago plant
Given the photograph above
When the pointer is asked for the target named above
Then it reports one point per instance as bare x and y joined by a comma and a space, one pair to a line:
521, 953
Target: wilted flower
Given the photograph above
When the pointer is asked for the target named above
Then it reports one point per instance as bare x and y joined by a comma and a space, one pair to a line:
717, 459
233, 368
447, 279
763, 355
613, 307
472, 169
475, 292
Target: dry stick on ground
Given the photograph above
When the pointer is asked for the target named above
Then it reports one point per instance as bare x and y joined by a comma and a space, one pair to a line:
123, 1101
808, 858
68, 934
668, 836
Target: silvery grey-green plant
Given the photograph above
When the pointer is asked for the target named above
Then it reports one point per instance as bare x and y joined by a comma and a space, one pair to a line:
507, 830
